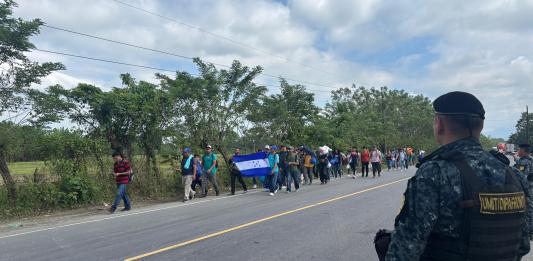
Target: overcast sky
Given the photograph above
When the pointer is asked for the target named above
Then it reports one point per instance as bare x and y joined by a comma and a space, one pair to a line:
480, 46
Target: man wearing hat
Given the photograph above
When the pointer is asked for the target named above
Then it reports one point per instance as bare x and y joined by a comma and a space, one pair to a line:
210, 169
453, 205
188, 173
524, 163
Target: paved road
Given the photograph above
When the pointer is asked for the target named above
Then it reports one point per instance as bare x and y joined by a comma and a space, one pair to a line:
320, 222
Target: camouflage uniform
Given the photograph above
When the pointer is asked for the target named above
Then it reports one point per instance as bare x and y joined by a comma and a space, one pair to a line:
432, 196
525, 165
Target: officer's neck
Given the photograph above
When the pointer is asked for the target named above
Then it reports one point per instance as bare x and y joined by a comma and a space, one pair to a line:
445, 140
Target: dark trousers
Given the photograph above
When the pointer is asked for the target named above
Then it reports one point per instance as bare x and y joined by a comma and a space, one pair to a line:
308, 175
196, 182
294, 175
237, 175
376, 167
282, 176
364, 168
272, 183
353, 167
323, 173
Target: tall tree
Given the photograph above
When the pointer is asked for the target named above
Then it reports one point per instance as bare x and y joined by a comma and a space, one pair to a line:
284, 116
16, 77
213, 106
521, 134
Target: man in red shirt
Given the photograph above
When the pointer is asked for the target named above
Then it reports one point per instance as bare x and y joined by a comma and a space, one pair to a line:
122, 172
365, 161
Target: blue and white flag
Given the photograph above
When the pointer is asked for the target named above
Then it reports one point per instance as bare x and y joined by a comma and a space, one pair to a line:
252, 165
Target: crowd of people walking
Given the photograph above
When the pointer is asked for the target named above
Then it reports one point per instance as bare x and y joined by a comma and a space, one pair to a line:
291, 168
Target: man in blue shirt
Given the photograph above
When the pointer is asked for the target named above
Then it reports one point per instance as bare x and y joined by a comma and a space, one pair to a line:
273, 161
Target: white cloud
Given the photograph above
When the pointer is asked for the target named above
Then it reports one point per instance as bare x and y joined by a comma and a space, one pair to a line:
484, 47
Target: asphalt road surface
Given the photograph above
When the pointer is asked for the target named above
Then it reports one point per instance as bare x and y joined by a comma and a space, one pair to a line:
336, 221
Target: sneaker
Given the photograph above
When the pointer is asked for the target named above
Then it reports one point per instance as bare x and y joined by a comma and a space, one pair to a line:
217, 194
193, 193
111, 210
230, 194
254, 186
271, 194
244, 192
185, 199
275, 191
288, 191
125, 209
296, 190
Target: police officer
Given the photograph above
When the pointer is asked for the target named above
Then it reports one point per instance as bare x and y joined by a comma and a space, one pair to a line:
453, 206
524, 163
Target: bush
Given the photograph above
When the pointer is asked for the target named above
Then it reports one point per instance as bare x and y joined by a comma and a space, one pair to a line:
76, 190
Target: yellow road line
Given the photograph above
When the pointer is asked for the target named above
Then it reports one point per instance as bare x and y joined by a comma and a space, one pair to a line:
184, 243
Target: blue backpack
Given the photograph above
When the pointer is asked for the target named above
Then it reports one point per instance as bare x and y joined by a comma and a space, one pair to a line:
313, 160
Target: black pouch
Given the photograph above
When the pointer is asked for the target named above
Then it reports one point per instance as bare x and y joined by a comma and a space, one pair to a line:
381, 243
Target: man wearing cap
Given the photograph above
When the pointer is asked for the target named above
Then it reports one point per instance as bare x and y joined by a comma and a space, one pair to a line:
273, 161
236, 174
293, 174
524, 163
453, 205
210, 169
188, 173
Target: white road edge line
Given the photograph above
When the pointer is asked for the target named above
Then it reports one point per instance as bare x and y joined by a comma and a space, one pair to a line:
125, 215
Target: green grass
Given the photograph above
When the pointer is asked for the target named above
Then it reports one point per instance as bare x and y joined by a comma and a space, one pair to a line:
25, 168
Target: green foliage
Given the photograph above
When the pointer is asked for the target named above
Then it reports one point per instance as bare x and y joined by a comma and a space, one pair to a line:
489, 143
387, 118
283, 117
520, 136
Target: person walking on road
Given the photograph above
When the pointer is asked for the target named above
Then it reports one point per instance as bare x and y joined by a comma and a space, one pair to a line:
122, 173
402, 158
388, 158
449, 211
210, 170
323, 166
198, 179
335, 161
308, 174
235, 173
365, 161
283, 167
353, 161
293, 171
376, 162
188, 173
273, 161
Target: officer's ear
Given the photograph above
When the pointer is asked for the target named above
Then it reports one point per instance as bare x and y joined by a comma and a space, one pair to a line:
438, 127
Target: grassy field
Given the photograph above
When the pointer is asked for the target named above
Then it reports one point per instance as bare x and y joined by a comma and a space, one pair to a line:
25, 168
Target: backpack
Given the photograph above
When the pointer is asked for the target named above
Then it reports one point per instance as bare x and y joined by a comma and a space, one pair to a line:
313, 160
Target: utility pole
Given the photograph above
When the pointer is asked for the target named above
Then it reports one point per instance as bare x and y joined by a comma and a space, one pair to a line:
527, 125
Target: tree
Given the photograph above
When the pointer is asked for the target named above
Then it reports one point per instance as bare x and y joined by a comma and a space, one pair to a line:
284, 116
384, 117
17, 75
212, 107
521, 134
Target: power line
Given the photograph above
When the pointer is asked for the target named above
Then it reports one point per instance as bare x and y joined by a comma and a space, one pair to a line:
169, 53
137, 65
220, 36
